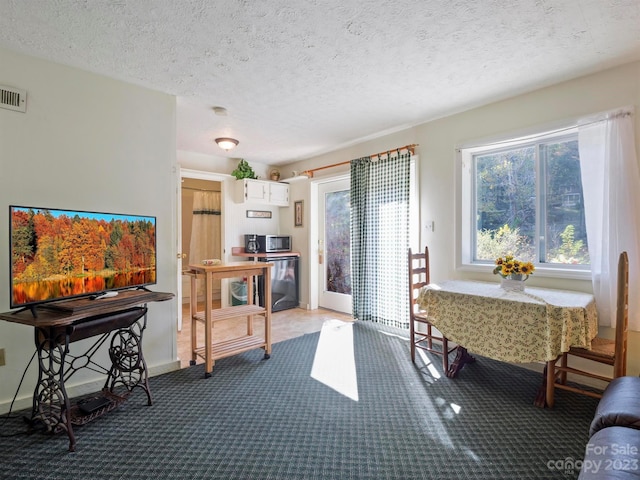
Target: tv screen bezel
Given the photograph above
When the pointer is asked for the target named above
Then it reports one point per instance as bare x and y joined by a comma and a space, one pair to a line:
33, 304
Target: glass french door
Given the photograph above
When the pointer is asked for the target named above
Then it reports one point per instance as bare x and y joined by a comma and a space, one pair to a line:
334, 247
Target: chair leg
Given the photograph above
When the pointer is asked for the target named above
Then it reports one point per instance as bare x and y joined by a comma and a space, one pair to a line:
445, 355
550, 384
563, 374
429, 340
412, 340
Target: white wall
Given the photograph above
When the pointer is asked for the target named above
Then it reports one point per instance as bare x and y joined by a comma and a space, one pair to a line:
90, 143
438, 140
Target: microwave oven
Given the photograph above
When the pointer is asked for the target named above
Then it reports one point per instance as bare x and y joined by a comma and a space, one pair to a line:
267, 243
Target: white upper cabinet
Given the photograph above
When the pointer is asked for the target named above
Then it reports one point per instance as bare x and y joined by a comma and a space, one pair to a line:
261, 191
253, 191
279, 194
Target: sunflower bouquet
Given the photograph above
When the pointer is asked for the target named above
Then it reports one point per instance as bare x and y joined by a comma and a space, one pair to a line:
510, 267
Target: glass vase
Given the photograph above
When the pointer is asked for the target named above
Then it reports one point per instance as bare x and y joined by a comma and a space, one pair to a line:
513, 283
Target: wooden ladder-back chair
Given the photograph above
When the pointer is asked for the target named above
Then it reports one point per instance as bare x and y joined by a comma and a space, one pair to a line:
424, 338
603, 350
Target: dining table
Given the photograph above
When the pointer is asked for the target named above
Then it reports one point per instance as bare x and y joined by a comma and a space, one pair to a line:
532, 325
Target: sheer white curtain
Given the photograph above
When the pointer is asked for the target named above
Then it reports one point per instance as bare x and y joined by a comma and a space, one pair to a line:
611, 186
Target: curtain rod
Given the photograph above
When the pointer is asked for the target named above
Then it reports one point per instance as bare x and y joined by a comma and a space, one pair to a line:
309, 173
592, 120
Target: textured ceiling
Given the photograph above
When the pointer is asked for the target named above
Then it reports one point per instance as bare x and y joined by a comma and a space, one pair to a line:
304, 77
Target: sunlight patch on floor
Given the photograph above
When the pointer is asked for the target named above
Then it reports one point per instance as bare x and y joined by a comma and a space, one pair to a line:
334, 363
433, 371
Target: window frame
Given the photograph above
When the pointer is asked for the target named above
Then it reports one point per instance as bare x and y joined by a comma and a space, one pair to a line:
466, 187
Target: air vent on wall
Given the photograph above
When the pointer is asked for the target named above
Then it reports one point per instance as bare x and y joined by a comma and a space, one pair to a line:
13, 99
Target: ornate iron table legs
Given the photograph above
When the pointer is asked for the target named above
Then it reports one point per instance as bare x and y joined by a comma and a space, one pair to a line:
128, 366
51, 405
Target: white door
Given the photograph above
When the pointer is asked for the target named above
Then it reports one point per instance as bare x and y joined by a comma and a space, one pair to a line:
334, 248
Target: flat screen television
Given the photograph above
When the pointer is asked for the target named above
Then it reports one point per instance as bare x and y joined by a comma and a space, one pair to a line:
61, 254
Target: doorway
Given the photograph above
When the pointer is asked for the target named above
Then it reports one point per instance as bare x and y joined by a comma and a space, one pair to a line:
192, 184
201, 226
332, 202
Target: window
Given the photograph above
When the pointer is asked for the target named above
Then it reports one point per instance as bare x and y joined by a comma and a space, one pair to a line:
524, 197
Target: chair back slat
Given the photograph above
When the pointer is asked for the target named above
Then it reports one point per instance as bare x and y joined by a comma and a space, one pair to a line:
425, 337
418, 275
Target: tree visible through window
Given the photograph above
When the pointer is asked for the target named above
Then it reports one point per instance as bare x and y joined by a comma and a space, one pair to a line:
338, 250
528, 202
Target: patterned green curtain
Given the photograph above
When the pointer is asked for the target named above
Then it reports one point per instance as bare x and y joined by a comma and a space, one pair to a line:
380, 238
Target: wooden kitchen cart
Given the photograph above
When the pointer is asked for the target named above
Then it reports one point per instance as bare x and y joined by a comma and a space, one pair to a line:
211, 350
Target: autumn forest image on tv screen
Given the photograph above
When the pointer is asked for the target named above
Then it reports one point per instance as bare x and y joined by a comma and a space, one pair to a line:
57, 254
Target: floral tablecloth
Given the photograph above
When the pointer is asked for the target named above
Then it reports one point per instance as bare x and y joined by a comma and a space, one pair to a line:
535, 325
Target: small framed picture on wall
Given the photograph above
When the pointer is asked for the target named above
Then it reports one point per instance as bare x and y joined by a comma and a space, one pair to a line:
298, 212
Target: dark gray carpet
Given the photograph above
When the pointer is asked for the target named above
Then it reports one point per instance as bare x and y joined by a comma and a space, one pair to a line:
268, 419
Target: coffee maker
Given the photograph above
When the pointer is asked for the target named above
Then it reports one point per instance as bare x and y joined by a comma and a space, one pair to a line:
251, 243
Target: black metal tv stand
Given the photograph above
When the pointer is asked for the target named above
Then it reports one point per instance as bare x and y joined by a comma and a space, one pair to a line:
123, 319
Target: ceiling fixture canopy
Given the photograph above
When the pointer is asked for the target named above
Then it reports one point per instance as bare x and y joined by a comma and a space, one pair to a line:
226, 143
